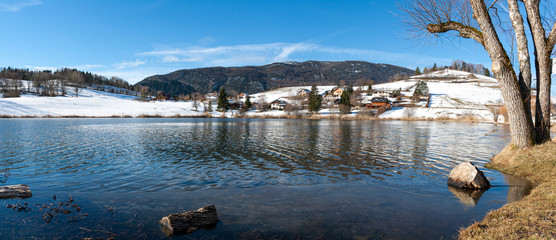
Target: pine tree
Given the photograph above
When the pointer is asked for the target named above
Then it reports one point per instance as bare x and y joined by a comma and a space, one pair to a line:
315, 100
223, 103
434, 67
349, 89
486, 72
422, 89
248, 102
417, 71
370, 88
345, 104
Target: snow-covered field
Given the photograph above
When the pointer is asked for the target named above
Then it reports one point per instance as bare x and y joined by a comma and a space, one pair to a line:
91, 103
454, 94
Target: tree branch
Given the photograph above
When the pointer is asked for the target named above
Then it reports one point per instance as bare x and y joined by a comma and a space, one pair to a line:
464, 30
552, 37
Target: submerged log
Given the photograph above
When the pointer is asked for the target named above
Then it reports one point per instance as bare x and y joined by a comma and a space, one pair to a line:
188, 222
15, 191
466, 175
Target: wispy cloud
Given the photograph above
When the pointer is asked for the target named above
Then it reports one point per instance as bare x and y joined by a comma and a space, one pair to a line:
135, 63
17, 5
254, 54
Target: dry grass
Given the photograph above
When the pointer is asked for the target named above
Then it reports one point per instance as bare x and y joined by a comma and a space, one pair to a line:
533, 217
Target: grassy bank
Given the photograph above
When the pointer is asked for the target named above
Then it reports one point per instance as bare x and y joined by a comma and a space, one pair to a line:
533, 217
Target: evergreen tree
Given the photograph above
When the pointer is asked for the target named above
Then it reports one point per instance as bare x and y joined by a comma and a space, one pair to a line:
248, 102
434, 67
345, 104
417, 71
370, 88
349, 89
344, 98
486, 72
421, 89
315, 100
223, 103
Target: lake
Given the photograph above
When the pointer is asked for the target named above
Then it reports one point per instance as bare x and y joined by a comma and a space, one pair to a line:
269, 178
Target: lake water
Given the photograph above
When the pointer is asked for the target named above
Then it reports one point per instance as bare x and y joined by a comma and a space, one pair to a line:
269, 179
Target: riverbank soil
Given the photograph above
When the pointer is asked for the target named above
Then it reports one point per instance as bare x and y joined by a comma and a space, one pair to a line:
533, 217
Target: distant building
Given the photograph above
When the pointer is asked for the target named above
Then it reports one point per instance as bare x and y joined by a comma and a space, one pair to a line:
303, 92
242, 95
162, 96
278, 104
378, 102
212, 95
338, 92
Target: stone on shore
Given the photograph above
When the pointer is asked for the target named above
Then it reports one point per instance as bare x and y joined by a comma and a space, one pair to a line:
467, 176
15, 191
188, 222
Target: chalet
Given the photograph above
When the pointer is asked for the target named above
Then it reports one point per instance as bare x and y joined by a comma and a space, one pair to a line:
212, 95
378, 102
380, 93
278, 104
338, 92
303, 92
162, 96
242, 96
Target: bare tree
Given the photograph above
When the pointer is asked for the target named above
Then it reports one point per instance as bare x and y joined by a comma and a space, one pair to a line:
473, 19
495, 108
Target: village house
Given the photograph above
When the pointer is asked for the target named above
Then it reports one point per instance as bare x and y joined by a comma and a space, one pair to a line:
162, 96
303, 92
278, 104
212, 95
338, 92
242, 95
380, 93
378, 102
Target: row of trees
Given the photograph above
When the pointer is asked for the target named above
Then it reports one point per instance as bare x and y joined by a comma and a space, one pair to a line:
482, 22
51, 83
457, 65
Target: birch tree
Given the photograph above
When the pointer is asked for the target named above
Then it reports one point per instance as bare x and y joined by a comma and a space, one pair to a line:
479, 20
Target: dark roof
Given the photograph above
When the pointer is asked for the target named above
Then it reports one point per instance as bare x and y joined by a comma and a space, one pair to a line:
380, 100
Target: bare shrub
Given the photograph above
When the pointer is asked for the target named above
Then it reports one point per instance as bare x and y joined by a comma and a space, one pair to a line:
12, 93
409, 112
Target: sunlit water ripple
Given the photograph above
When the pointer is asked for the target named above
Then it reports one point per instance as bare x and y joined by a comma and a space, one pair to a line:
128, 155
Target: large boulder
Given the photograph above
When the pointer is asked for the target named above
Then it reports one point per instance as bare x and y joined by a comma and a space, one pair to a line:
467, 176
188, 222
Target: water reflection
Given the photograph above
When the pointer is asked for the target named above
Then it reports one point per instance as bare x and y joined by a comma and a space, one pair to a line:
468, 197
268, 178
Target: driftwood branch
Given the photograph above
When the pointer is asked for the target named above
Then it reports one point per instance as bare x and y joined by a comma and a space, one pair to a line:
15, 191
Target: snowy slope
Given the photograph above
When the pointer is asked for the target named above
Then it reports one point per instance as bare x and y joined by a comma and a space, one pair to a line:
91, 103
454, 94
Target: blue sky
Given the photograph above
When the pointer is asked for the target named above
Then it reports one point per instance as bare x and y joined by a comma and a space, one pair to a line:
133, 39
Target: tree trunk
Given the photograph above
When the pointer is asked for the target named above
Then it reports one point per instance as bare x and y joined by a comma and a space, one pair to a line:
522, 54
543, 52
520, 124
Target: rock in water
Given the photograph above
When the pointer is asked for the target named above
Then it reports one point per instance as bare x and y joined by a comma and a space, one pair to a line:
15, 191
188, 222
466, 175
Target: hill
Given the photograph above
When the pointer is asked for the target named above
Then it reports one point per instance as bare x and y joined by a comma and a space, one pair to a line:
254, 79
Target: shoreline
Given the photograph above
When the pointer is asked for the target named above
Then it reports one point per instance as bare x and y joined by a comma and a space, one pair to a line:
234, 116
534, 216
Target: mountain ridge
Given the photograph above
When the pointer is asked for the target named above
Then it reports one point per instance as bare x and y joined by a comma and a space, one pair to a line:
253, 79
